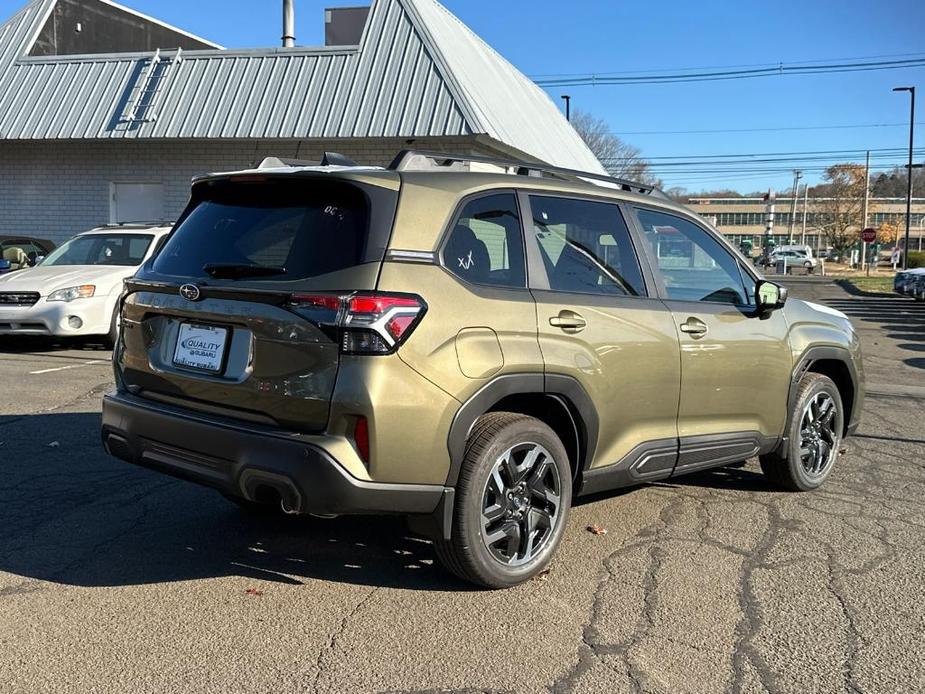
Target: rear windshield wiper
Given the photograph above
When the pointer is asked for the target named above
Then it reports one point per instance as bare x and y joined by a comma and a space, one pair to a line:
235, 271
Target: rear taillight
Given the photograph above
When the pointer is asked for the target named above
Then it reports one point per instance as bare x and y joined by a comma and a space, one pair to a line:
364, 323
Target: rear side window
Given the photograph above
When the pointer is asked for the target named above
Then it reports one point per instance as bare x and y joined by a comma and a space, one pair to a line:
486, 244
291, 230
585, 247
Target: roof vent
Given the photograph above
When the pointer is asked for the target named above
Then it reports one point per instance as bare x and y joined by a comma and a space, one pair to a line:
288, 23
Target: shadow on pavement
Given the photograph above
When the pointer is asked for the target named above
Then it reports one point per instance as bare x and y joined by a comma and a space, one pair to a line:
732, 478
18, 344
70, 514
856, 291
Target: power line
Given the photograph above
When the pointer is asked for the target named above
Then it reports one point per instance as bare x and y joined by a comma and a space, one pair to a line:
917, 54
795, 153
764, 130
595, 79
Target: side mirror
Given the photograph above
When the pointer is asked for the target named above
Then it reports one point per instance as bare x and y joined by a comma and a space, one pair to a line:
770, 296
38, 260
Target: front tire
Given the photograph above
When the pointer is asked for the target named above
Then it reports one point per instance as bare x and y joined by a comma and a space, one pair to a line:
512, 502
814, 434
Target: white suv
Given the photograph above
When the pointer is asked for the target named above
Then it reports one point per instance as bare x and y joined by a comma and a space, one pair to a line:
74, 292
793, 258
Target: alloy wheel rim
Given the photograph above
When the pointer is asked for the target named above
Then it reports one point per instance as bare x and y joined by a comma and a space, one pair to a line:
521, 504
818, 435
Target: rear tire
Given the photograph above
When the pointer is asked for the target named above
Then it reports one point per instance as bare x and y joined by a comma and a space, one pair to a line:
512, 501
814, 435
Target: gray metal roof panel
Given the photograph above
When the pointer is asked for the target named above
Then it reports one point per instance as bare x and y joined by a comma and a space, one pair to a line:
418, 71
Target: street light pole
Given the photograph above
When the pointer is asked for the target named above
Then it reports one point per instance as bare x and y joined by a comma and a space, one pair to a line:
911, 91
568, 106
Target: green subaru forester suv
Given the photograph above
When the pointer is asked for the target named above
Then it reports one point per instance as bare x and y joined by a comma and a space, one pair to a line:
467, 342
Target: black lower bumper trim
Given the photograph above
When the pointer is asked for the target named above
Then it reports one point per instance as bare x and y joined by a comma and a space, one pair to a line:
242, 462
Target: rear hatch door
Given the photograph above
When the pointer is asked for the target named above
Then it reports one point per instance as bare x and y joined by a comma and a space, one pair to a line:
210, 323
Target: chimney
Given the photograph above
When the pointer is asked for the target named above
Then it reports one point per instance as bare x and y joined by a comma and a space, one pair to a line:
288, 23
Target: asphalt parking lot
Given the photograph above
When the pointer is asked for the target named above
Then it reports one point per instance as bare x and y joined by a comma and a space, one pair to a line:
116, 579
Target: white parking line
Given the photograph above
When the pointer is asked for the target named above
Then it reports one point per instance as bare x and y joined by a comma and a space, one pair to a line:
71, 366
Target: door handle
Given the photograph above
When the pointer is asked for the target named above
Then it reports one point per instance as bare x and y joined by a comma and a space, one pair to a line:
569, 321
694, 327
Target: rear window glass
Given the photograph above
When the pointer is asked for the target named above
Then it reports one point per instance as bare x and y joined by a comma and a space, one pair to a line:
290, 230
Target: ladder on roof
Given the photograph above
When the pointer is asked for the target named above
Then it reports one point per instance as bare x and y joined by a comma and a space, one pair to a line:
148, 86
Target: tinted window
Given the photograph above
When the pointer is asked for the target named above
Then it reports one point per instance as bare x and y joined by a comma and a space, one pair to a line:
302, 228
485, 245
585, 246
101, 249
695, 266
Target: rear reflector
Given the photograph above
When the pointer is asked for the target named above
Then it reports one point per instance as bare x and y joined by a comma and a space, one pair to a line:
361, 438
367, 323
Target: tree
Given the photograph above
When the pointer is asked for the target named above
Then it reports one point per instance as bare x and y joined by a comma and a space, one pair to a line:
888, 233
892, 184
620, 158
842, 206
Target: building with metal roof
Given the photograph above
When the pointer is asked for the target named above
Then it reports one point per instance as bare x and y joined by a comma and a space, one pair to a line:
106, 114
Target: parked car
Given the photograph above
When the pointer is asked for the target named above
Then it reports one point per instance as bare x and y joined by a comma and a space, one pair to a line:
802, 249
75, 290
917, 286
472, 350
903, 280
793, 259
23, 251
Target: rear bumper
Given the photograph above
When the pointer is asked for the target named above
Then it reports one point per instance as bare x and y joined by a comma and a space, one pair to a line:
246, 462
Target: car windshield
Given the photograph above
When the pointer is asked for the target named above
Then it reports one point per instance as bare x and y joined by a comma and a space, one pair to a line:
127, 250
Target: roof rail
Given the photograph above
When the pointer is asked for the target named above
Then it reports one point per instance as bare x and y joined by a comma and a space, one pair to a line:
418, 160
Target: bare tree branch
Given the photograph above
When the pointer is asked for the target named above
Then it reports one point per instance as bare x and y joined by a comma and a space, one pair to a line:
618, 157
842, 204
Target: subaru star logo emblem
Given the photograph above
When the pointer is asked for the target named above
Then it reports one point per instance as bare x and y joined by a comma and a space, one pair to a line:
190, 292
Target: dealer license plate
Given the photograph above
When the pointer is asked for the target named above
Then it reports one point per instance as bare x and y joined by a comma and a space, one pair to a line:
201, 347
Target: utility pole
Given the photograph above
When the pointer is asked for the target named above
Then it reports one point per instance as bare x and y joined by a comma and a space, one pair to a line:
797, 175
911, 91
805, 201
769, 220
568, 107
866, 204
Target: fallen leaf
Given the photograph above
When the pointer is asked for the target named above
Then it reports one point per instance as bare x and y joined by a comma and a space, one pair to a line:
596, 530
542, 575
254, 592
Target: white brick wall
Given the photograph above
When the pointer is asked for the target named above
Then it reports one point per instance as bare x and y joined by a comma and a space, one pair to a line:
54, 189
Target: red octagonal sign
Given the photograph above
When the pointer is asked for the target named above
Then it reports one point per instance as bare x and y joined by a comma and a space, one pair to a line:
869, 235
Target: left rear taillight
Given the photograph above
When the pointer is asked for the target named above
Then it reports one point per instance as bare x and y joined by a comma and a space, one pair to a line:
365, 323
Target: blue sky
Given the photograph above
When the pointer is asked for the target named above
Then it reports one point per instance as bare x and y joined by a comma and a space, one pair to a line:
544, 37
